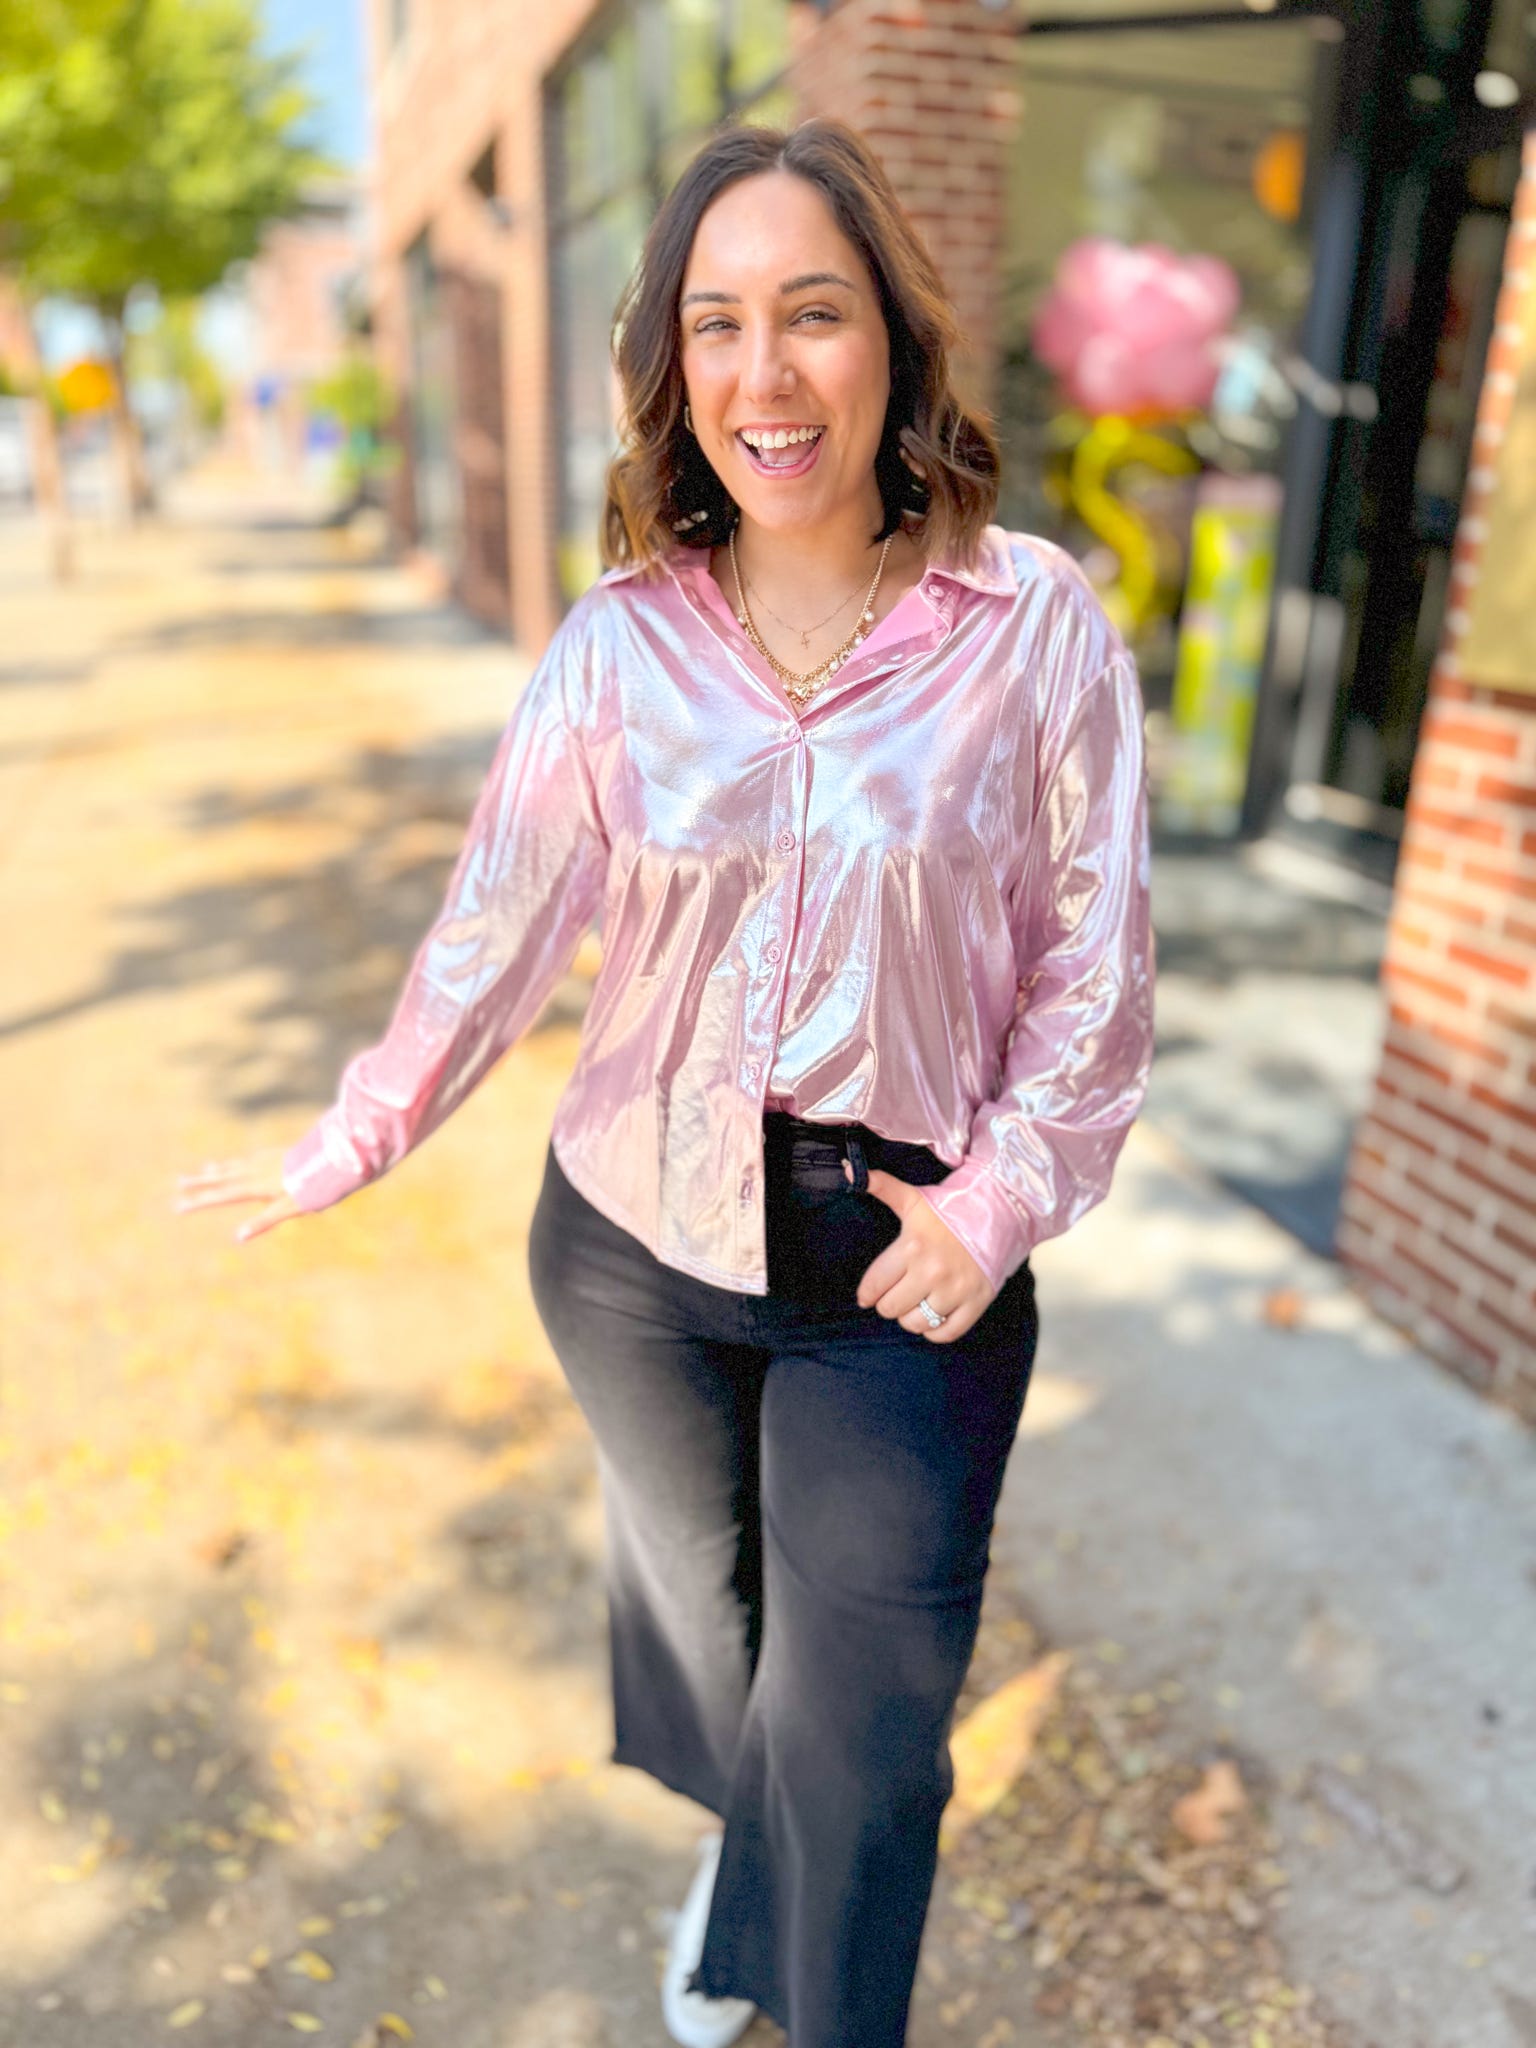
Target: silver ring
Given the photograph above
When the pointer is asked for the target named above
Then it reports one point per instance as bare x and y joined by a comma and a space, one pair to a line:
931, 1315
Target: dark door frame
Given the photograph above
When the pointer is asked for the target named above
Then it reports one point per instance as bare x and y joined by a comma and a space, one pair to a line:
1383, 145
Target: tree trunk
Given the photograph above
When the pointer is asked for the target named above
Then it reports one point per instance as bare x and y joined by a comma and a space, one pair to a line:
138, 493
47, 456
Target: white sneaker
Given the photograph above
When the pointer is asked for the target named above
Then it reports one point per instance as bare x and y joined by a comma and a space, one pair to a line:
693, 2020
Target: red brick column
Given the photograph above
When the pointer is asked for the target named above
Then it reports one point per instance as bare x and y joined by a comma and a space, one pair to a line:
1439, 1214
932, 84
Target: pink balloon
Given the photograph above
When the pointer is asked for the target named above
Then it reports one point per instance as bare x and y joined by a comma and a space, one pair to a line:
1135, 329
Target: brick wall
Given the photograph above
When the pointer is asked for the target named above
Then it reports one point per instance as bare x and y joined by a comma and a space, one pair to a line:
467, 76
1439, 1214
932, 85
929, 81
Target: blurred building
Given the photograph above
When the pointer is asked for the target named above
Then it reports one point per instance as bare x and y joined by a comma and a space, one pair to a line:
1439, 1216
302, 299
1290, 553
521, 153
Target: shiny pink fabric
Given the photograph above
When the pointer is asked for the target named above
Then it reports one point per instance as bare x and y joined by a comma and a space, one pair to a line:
922, 907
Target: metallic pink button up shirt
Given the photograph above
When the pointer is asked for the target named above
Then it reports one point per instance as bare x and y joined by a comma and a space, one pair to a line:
922, 906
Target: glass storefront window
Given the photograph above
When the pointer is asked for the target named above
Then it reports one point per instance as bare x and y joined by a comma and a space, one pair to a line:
627, 115
1105, 10
1511, 48
434, 404
690, 95
757, 39
1158, 182
599, 113
588, 260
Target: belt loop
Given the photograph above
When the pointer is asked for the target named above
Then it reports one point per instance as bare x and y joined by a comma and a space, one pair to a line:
854, 1153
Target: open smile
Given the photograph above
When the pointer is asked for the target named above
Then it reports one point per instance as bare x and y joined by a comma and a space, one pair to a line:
782, 453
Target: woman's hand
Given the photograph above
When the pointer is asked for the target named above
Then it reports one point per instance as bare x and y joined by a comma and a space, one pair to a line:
258, 1177
926, 1261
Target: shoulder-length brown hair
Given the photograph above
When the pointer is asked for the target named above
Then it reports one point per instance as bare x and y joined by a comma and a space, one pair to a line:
660, 482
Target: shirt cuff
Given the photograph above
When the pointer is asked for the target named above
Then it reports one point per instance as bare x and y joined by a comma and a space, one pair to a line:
975, 1205
313, 1178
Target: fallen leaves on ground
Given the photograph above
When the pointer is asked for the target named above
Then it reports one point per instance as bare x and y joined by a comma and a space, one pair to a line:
1201, 1816
993, 1744
1140, 1882
1284, 1308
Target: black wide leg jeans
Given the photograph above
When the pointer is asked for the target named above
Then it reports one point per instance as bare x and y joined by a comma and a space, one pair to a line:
799, 1498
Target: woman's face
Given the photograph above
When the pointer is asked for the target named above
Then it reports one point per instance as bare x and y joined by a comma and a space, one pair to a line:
781, 328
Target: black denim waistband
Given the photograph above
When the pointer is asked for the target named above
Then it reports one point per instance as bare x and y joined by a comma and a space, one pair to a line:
795, 1147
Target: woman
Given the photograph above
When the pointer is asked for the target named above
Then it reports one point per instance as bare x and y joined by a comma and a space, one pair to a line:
855, 780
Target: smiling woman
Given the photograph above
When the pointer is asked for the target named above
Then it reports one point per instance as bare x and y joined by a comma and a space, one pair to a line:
725, 315
855, 779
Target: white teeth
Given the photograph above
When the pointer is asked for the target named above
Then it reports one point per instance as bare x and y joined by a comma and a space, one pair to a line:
783, 437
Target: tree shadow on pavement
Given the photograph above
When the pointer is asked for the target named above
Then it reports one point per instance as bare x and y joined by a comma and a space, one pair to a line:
415, 626
326, 941
1217, 920
232, 1889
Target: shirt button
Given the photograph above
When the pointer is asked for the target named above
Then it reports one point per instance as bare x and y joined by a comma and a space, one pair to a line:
752, 1070
746, 1191
785, 842
773, 952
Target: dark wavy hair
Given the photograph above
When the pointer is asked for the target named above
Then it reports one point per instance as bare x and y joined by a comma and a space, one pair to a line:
661, 491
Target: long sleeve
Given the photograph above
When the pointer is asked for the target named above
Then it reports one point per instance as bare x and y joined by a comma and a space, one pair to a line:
523, 890
1074, 1072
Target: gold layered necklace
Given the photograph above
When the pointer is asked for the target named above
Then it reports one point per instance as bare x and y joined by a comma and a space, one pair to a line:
800, 689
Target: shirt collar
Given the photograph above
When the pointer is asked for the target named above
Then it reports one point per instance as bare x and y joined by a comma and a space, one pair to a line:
992, 572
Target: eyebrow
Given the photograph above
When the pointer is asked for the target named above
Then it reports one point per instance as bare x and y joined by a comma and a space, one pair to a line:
802, 283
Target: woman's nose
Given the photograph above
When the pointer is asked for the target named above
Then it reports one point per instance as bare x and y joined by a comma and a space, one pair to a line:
766, 373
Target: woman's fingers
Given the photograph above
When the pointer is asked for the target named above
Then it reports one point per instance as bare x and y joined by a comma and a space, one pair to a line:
267, 1219
882, 1274
901, 1305
258, 1176
928, 1263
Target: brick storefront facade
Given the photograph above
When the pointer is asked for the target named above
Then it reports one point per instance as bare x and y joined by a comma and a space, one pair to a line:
1439, 1216
931, 83
463, 88
460, 86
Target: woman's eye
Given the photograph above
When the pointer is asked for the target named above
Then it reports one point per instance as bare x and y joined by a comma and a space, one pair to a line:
720, 326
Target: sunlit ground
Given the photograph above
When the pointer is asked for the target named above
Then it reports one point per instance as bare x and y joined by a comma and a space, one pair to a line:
302, 1678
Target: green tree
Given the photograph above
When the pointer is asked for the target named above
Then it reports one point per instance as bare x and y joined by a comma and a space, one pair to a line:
359, 399
169, 348
142, 143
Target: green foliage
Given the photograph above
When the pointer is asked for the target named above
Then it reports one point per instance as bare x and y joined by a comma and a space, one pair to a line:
358, 397
142, 142
171, 349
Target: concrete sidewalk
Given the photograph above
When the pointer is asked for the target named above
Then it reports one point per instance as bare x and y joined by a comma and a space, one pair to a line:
302, 1667
1232, 1468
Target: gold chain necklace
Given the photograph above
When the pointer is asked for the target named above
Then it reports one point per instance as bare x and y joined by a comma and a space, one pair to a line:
805, 632
801, 688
